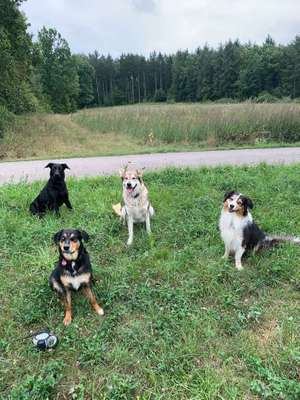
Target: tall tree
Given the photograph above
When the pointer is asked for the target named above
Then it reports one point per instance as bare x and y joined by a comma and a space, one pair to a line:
86, 75
15, 59
58, 72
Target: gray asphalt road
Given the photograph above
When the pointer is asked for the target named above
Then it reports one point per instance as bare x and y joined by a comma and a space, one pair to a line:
13, 172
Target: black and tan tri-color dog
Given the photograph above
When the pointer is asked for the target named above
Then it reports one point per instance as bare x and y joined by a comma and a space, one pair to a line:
73, 270
54, 194
238, 230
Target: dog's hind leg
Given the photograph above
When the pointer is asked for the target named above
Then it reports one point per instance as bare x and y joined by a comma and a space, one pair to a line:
151, 211
68, 204
92, 299
148, 227
227, 252
68, 308
130, 230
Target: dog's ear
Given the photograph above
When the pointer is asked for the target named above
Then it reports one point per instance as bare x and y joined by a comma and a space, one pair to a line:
57, 236
122, 173
85, 236
248, 202
50, 165
65, 166
139, 174
227, 195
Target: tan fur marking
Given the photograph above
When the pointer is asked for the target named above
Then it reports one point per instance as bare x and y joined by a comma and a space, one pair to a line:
92, 299
68, 309
75, 281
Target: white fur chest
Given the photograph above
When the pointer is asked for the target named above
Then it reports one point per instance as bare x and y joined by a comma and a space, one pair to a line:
75, 282
231, 228
137, 212
137, 208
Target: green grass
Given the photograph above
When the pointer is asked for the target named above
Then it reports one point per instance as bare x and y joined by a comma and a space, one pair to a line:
180, 322
152, 128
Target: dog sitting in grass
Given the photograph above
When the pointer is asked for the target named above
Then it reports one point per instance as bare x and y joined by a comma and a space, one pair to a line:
240, 233
136, 207
73, 270
54, 194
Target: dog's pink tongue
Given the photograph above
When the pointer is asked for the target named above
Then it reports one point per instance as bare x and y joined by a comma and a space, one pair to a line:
129, 190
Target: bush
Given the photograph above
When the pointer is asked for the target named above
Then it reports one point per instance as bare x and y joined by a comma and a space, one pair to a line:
265, 97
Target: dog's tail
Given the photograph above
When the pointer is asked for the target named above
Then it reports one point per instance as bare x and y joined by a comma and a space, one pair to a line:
117, 209
274, 240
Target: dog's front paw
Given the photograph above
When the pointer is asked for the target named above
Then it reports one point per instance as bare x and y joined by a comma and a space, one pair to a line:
67, 319
239, 266
129, 242
100, 311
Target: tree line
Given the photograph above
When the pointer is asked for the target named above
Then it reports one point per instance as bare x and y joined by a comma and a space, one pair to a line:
44, 75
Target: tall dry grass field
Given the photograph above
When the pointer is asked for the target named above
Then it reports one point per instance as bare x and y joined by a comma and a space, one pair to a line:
152, 128
198, 123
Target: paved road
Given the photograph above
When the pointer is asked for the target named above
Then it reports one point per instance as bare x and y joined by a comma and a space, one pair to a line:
80, 167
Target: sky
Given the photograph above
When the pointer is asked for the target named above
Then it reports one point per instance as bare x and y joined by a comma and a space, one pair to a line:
142, 26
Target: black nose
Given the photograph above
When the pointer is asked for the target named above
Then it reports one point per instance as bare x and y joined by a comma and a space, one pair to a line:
129, 185
231, 206
66, 248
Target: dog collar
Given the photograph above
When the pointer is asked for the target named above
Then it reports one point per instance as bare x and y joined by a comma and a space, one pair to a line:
65, 262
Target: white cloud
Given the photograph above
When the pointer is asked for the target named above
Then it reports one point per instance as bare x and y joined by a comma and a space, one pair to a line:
141, 26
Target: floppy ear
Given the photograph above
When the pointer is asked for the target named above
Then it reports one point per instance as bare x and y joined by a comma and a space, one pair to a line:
57, 236
227, 195
65, 166
85, 236
249, 202
50, 165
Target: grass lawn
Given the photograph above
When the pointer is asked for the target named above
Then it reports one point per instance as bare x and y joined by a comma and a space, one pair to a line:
147, 128
180, 323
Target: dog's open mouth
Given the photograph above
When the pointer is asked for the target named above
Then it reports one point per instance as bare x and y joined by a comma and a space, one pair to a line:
130, 189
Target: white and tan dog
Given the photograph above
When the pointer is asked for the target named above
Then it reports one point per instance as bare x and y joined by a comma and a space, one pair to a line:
136, 207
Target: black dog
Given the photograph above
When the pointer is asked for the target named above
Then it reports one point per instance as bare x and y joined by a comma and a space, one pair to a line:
73, 270
54, 194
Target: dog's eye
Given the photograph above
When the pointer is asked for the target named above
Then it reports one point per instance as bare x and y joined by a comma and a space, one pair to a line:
63, 239
133, 177
75, 240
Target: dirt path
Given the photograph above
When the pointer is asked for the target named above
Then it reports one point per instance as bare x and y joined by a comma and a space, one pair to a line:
93, 166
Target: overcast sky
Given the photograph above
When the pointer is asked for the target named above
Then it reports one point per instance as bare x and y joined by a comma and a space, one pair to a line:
141, 26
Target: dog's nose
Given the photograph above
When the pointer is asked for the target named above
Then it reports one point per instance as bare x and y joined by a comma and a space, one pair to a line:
231, 206
66, 248
129, 185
